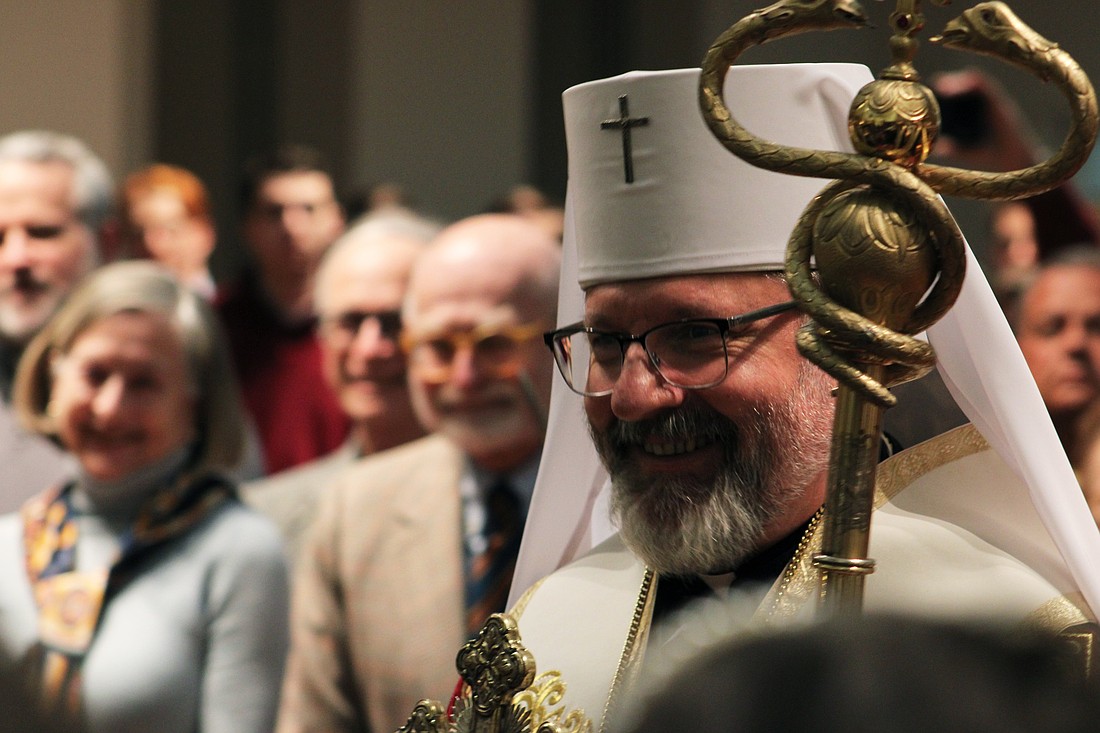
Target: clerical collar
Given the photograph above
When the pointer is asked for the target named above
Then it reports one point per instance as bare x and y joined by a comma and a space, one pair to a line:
762, 569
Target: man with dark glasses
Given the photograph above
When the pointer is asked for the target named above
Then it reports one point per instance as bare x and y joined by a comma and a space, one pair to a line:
415, 547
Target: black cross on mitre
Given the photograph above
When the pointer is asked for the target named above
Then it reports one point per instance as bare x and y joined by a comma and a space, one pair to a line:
624, 123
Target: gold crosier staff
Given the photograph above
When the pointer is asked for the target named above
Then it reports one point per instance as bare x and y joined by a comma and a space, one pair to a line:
890, 259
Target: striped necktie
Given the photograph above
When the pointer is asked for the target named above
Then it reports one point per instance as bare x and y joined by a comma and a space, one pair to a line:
489, 571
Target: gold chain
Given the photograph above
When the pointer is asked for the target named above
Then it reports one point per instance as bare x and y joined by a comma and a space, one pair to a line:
628, 648
643, 598
795, 564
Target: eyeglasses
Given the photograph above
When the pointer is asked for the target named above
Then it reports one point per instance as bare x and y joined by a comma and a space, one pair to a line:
691, 354
346, 326
495, 350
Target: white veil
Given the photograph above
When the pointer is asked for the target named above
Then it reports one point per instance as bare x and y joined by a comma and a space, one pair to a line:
979, 362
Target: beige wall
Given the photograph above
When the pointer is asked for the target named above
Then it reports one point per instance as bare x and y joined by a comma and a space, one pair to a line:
81, 67
435, 94
440, 99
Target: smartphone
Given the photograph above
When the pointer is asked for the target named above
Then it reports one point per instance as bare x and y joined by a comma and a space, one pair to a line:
965, 118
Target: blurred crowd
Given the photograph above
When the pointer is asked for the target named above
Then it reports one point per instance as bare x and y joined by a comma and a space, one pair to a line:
142, 400
187, 544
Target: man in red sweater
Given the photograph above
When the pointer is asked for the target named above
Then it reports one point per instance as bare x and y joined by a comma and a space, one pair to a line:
291, 216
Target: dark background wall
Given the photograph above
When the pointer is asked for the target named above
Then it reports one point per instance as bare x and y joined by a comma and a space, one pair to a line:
457, 101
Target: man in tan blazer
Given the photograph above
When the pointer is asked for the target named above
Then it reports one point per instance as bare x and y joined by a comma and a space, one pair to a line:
382, 596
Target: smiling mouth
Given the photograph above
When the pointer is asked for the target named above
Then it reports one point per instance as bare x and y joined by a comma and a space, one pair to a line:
111, 445
26, 292
111, 441
677, 448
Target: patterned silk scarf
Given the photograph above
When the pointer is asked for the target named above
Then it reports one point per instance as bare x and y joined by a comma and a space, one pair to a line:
70, 603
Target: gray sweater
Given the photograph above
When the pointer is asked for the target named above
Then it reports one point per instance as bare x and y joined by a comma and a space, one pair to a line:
195, 643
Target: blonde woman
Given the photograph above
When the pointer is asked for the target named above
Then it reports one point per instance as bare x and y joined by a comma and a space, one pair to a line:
141, 595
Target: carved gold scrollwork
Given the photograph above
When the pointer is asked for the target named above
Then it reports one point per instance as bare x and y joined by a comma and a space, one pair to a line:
495, 664
427, 717
501, 694
544, 699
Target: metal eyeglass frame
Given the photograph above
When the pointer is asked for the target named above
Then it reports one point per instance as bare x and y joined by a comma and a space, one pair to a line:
554, 339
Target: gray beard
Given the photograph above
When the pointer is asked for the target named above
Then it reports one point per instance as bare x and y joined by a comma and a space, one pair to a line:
683, 525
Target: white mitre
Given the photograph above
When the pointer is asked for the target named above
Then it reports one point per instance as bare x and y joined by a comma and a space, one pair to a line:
693, 207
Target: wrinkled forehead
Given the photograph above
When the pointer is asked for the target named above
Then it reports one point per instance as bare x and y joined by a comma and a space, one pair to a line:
374, 290
644, 302
370, 276
1062, 287
47, 182
452, 314
472, 290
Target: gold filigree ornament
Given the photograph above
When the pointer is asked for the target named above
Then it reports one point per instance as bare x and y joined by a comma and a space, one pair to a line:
501, 694
544, 701
427, 717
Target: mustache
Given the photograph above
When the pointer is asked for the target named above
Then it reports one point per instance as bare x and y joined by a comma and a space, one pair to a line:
703, 425
24, 280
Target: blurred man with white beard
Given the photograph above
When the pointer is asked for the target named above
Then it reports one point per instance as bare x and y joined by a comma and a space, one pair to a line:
413, 548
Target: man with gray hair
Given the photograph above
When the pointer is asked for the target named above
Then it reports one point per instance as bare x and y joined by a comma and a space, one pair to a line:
358, 291
55, 197
414, 547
